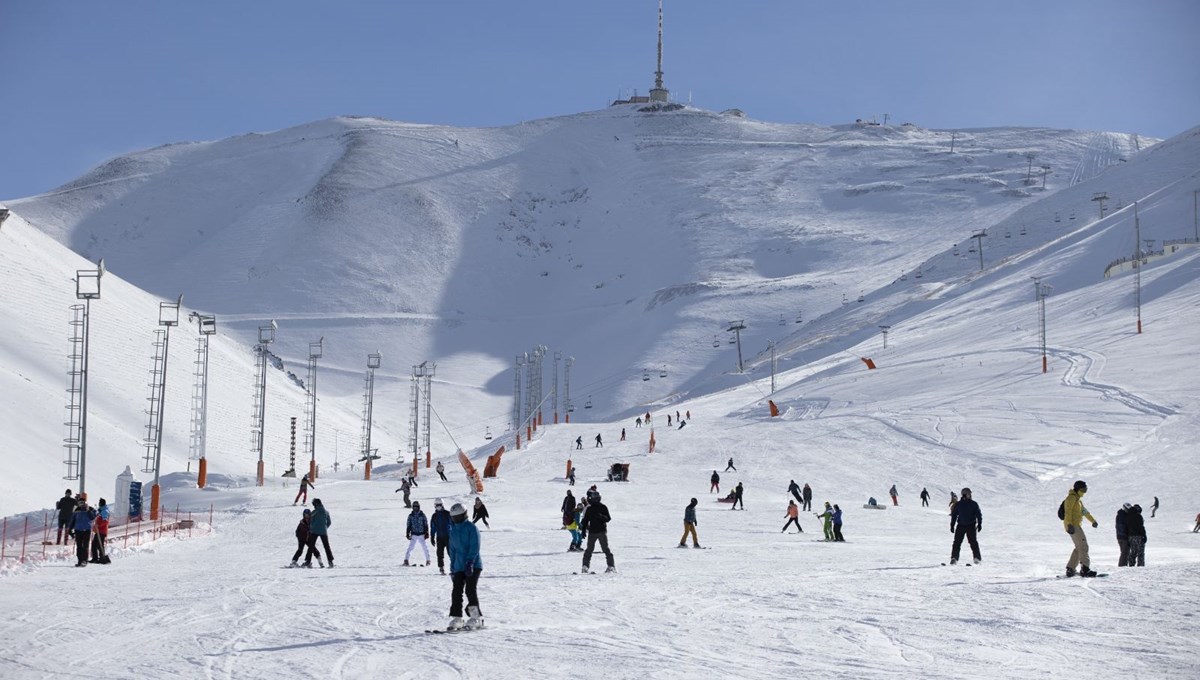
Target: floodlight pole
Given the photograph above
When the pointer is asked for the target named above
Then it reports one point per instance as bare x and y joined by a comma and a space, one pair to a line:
737, 327
1040, 291
87, 288
168, 316
315, 351
208, 326
374, 361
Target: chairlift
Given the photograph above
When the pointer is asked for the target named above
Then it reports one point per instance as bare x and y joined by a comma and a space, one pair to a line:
716, 343
1008, 234
918, 273
1022, 230
588, 404
487, 434
800, 317
1057, 218
645, 375
861, 298
904, 276
782, 321
663, 372
1072, 214
844, 300
971, 249
570, 408
732, 340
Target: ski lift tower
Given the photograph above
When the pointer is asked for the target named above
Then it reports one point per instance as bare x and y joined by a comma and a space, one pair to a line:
978, 236
884, 330
1040, 291
374, 361
266, 336
315, 351
554, 386
1100, 197
168, 316
736, 327
208, 327
87, 288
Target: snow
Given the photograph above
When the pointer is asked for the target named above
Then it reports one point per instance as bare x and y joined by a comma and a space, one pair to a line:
627, 240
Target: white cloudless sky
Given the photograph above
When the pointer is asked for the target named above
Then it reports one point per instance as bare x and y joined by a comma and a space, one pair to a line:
81, 82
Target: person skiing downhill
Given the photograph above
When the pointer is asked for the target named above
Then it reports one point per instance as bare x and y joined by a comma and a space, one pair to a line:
793, 515
441, 470
303, 492
689, 525
807, 497
318, 527
715, 481
622, 434
1122, 535
837, 524
66, 508
439, 532
794, 489
1073, 514
595, 527
571, 476
599, 442
1154, 508
924, 498
579, 442
415, 531
638, 422
465, 568
302, 539
828, 517
480, 513
969, 519
1137, 536
730, 465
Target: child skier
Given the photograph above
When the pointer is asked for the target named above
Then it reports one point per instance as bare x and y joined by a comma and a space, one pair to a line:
100, 535
571, 524
439, 532
416, 531
793, 515
465, 567
302, 540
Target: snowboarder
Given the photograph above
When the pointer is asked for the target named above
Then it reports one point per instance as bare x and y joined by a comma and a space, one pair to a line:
807, 497
969, 519
1154, 508
81, 524
892, 493
729, 466
465, 567
66, 508
638, 422
924, 498
415, 531
622, 434
100, 534
837, 524
682, 423
689, 525
1122, 535
480, 513
599, 442
716, 485
439, 532
441, 470
827, 516
318, 527
571, 523
737, 497
302, 539
595, 527
579, 442
1136, 525
304, 484
794, 489
1073, 514
793, 515
406, 487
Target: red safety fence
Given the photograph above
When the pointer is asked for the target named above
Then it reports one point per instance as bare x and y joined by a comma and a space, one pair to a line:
27, 539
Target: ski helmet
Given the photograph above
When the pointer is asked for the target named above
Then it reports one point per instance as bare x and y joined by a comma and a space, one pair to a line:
966, 492
457, 510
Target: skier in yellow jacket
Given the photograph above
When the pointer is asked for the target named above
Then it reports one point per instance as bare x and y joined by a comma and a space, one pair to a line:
1073, 514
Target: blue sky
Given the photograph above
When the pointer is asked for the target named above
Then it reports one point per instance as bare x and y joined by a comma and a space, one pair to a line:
84, 81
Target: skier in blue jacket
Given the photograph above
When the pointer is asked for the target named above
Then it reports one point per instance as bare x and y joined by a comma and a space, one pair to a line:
465, 567
416, 531
439, 532
81, 524
318, 528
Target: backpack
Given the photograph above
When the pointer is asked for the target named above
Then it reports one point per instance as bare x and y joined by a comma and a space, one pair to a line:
1062, 510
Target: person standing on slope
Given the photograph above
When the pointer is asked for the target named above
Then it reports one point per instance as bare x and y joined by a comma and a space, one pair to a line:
599, 442
100, 534
969, 519
953, 502
66, 508
638, 422
304, 484
622, 434
406, 487
1154, 508
894, 495
837, 524
415, 531
715, 485
439, 532
793, 512
480, 513
737, 497
1073, 514
924, 498
595, 526
441, 470
302, 539
579, 442
1122, 535
568, 504
81, 523
571, 521
1136, 525
827, 516
794, 489
807, 497
465, 568
318, 528
689, 525
1196, 529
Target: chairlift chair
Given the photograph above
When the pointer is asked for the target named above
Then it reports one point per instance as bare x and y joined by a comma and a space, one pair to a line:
861, 297
716, 343
588, 403
645, 375
663, 372
919, 273
782, 321
487, 433
800, 318
1022, 230
1008, 234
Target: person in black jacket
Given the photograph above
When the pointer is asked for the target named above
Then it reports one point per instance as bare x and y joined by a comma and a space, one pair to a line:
924, 498
1135, 524
480, 512
439, 532
568, 504
794, 489
66, 507
1122, 535
715, 482
302, 539
737, 497
595, 525
969, 519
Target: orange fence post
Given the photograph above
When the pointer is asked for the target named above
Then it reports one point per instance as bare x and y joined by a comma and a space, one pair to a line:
568, 467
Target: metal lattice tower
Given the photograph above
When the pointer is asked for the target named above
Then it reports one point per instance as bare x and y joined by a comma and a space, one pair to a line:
554, 387
155, 400
373, 362
199, 429
315, 351
659, 93
516, 408
529, 403
266, 335
291, 471
78, 375
1137, 264
414, 412
427, 392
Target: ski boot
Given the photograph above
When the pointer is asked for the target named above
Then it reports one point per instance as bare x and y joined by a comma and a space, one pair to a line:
683, 545
610, 570
320, 562
1070, 572
1086, 572
475, 619
405, 563
293, 565
456, 624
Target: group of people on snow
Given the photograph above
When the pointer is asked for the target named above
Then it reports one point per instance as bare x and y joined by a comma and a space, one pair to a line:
86, 526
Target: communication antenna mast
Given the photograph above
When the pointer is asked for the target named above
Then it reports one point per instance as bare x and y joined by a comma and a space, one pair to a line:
659, 93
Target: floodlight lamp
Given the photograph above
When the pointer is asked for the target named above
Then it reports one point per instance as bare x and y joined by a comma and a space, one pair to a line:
208, 324
315, 349
374, 360
266, 334
87, 284
168, 312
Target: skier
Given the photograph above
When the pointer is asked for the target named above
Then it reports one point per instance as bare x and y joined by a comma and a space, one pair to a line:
302, 539
737, 497
730, 466
579, 442
953, 502
599, 442
415, 531
81, 523
677, 418
571, 524
647, 418
969, 519
793, 515
807, 497
571, 476
100, 535
595, 526
682, 423
406, 487
568, 504
638, 422
828, 517
668, 420
441, 470
688, 415
892, 492
794, 489
66, 508
481, 513
1073, 514
1197, 529
412, 478
716, 486
318, 527
689, 525
465, 567
622, 434
439, 532
304, 484
1154, 508
924, 498
837, 524
1122, 535
1137, 536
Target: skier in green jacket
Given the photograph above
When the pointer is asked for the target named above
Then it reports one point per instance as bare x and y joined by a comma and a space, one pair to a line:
828, 517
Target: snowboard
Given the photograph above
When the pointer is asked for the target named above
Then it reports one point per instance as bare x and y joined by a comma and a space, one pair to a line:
1083, 577
443, 631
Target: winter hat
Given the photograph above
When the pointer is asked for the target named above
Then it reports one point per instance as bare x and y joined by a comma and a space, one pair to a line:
317, 502
307, 512
416, 505
1127, 506
457, 510
596, 496
1080, 485
103, 502
437, 502
966, 492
